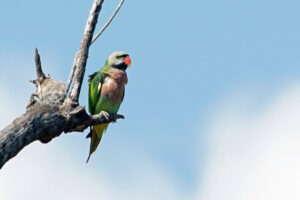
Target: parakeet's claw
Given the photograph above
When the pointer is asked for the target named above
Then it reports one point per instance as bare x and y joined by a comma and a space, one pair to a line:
105, 115
120, 116
114, 117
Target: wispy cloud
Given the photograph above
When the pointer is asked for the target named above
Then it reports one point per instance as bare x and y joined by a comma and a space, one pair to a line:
47, 172
254, 152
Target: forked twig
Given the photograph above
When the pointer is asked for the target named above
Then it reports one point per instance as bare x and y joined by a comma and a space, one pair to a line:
71, 76
108, 21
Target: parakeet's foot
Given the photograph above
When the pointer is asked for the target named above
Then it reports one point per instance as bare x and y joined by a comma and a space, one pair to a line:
105, 115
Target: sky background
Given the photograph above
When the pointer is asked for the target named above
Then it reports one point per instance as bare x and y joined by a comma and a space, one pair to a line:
212, 105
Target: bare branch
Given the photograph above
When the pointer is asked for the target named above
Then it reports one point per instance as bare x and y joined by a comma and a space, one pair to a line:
71, 76
44, 122
84, 49
108, 21
39, 71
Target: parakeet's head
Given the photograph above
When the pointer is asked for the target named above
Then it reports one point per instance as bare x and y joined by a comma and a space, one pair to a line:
119, 60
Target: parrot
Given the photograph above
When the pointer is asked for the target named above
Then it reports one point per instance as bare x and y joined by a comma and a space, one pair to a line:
106, 93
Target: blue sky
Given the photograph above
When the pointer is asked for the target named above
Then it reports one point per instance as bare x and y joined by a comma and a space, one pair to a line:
199, 70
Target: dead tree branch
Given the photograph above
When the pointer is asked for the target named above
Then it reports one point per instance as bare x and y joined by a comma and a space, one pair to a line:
37, 59
49, 111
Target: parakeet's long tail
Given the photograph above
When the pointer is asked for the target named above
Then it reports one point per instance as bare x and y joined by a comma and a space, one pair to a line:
96, 136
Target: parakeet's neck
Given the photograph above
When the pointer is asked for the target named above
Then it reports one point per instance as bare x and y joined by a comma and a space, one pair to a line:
118, 75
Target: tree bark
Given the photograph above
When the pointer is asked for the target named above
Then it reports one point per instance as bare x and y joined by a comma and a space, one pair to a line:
50, 111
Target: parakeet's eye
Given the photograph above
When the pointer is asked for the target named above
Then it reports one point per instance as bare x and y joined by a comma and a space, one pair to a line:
122, 56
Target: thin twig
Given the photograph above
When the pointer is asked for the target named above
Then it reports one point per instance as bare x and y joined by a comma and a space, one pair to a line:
71, 76
37, 59
84, 49
108, 21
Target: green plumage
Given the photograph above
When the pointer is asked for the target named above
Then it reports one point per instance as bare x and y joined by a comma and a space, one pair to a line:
94, 80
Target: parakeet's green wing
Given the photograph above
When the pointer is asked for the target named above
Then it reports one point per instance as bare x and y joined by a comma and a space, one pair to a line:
95, 81
95, 84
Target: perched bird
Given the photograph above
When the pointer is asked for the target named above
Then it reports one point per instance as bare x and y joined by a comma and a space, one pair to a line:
106, 92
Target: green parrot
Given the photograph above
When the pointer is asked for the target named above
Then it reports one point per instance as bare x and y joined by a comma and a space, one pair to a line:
106, 92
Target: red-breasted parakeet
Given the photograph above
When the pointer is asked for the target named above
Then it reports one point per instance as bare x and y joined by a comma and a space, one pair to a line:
106, 92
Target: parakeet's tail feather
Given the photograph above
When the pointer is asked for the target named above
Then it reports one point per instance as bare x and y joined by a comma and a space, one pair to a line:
88, 158
96, 136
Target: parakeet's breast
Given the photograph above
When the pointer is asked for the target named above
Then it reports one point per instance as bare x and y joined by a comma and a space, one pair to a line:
112, 91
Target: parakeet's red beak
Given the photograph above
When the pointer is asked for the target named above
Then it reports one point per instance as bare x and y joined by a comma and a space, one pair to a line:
127, 60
